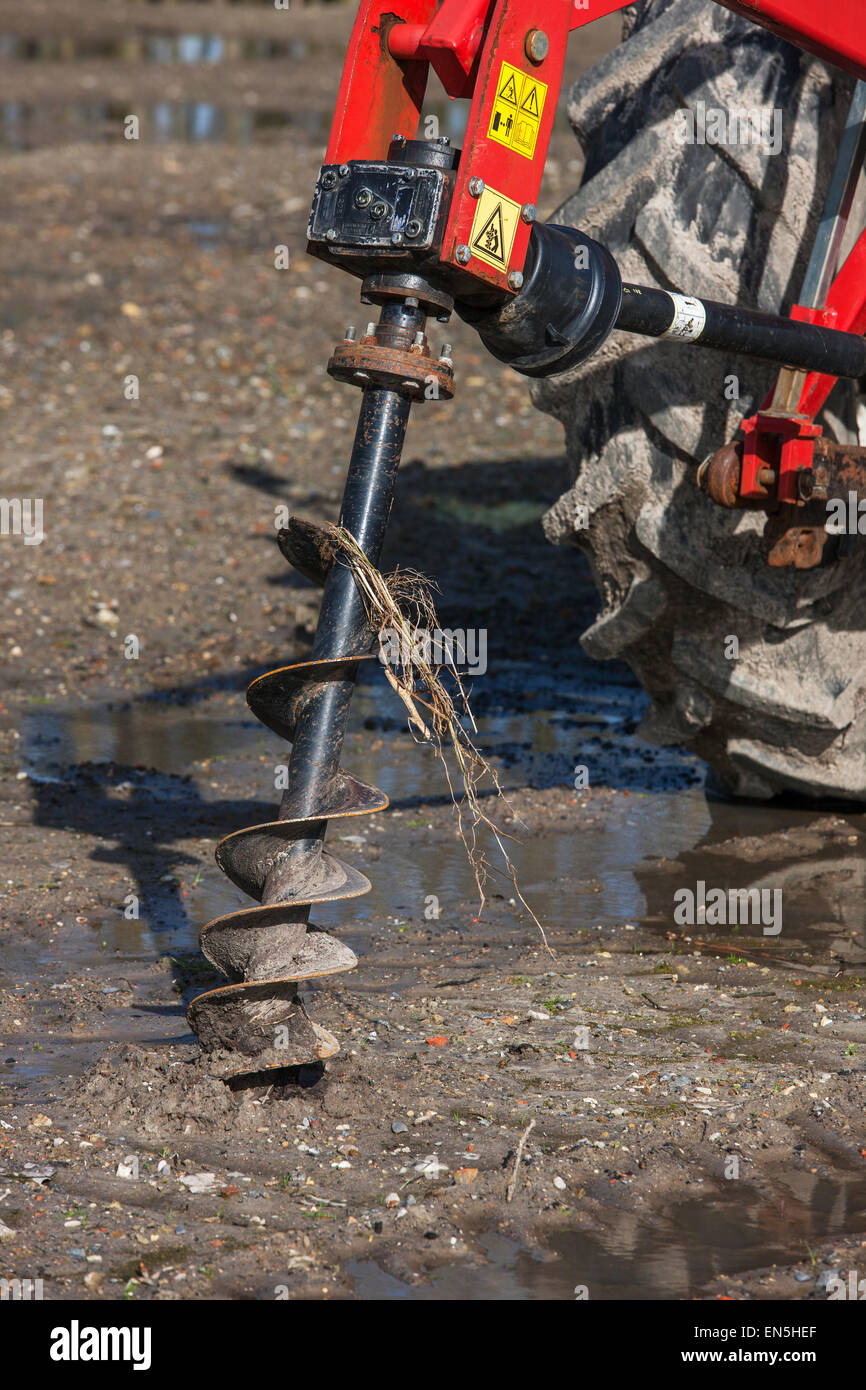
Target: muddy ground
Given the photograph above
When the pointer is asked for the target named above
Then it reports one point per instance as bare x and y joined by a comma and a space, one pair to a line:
674, 1112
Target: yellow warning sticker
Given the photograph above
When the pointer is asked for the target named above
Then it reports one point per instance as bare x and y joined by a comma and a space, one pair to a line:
494, 228
516, 117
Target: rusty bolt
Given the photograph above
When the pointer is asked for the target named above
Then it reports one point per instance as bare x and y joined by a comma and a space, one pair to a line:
515, 280
463, 255
537, 45
476, 187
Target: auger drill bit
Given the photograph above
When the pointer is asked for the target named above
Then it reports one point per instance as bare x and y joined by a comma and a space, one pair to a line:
257, 1020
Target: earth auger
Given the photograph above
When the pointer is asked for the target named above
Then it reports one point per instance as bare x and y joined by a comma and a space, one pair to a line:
428, 230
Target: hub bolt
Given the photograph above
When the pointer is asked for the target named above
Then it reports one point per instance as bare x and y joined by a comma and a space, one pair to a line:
537, 45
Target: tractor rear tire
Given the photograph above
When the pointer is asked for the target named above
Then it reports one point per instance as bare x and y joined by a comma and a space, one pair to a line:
782, 708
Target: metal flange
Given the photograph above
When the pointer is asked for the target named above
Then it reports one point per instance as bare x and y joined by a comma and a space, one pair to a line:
413, 372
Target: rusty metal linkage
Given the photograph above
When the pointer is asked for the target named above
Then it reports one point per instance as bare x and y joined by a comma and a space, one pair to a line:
796, 531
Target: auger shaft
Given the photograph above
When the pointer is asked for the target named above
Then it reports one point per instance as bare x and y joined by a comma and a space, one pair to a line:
343, 630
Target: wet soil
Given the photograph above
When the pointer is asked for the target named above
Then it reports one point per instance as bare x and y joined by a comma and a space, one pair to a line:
695, 1093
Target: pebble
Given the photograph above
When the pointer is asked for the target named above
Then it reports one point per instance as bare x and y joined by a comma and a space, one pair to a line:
802, 1277
199, 1182
398, 1127
559, 1184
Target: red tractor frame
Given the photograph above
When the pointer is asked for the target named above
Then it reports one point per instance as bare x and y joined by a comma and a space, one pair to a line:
507, 57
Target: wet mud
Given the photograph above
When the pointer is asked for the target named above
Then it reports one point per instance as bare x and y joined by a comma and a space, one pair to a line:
694, 1088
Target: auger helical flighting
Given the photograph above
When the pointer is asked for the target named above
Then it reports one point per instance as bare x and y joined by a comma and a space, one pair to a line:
256, 1021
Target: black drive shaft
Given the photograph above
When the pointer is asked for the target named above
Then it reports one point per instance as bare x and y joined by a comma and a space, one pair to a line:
706, 323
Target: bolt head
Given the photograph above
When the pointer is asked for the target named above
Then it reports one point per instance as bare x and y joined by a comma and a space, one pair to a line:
329, 179
515, 280
363, 198
529, 212
537, 45
331, 234
463, 255
396, 238
476, 187
344, 169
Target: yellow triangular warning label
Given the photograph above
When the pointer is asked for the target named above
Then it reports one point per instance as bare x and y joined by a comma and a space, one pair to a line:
530, 103
508, 91
492, 236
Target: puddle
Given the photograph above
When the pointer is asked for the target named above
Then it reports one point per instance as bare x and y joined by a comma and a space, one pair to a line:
25, 126
669, 1257
145, 759
137, 757
154, 48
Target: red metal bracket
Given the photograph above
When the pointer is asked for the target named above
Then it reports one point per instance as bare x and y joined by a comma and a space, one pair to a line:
450, 43
783, 443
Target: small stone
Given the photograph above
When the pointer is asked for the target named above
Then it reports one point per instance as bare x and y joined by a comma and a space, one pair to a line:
199, 1182
398, 1127
802, 1277
465, 1175
559, 1184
